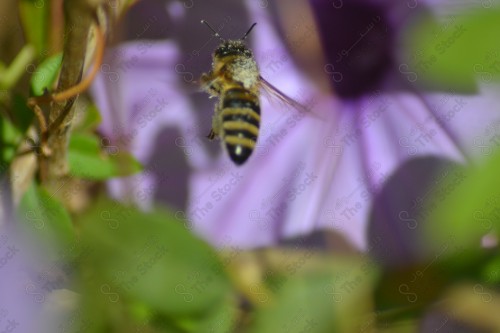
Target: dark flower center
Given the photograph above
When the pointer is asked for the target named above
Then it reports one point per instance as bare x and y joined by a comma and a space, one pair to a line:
358, 44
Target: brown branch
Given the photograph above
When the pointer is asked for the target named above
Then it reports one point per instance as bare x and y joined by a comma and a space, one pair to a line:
79, 17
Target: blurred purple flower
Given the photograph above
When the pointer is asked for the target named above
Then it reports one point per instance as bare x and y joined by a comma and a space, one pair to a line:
33, 295
312, 171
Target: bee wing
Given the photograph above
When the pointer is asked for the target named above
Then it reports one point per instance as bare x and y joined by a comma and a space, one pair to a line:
274, 93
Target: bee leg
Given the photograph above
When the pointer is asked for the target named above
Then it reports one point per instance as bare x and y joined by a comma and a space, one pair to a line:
211, 135
210, 84
205, 79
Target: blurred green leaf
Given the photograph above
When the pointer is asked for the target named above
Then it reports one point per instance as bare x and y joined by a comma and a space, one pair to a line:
465, 208
222, 318
333, 297
403, 293
12, 130
86, 160
85, 144
461, 210
22, 113
96, 314
46, 74
403, 326
455, 51
491, 271
45, 219
91, 119
125, 164
35, 19
9, 137
150, 258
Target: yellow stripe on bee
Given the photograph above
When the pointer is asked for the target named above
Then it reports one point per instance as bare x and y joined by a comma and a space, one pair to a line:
244, 112
240, 125
235, 140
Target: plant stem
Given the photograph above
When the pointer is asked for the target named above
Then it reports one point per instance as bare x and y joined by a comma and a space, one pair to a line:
79, 16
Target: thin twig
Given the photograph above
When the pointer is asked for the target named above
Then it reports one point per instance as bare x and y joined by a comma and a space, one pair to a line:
85, 83
41, 118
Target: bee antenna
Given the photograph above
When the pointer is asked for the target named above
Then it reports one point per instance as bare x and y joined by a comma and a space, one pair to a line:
246, 35
216, 34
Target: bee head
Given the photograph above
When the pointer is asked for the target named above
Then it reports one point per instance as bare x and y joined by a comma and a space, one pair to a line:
231, 47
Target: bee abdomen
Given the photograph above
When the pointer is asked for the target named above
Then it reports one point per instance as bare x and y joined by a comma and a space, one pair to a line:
240, 123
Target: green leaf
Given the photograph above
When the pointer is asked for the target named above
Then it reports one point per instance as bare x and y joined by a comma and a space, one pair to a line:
403, 293
45, 74
23, 115
222, 318
331, 298
455, 51
88, 120
403, 326
150, 258
465, 208
9, 136
84, 144
491, 272
461, 209
86, 160
45, 219
12, 130
35, 19
95, 315
125, 164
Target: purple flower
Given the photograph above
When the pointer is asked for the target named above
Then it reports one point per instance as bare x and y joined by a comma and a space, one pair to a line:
324, 169
34, 295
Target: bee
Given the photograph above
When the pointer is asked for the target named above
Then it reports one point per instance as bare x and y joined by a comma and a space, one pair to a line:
236, 81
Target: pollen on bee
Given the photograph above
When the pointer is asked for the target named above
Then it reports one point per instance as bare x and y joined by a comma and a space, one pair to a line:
245, 70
